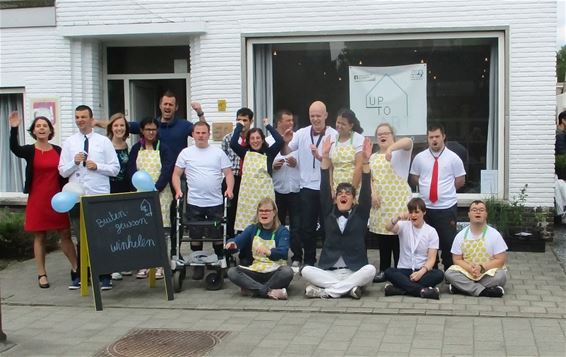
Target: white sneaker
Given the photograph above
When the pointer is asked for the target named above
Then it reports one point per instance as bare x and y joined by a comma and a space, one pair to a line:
296, 266
312, 291
142, 274
116, 276
126, 273
159, 273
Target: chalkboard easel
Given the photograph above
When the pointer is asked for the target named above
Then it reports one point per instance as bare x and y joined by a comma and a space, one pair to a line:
121, 232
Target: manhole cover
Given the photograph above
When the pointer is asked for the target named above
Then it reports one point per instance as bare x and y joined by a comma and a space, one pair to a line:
162, 342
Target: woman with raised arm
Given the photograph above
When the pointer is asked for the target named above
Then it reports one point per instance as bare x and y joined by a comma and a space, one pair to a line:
256, 173
42, 183
390, 192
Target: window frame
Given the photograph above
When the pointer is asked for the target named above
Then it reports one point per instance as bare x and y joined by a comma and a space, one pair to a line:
501, 34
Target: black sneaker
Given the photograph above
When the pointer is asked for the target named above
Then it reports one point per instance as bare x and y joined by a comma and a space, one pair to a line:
379, 277
493, 291
356, 292
454, 290
106, 284
198, 272
430, 293
75, 281
391, 290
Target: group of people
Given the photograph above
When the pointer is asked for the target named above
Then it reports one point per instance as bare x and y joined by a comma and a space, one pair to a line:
328, 182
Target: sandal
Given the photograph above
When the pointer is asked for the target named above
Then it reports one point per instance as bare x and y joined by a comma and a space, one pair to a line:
43, 286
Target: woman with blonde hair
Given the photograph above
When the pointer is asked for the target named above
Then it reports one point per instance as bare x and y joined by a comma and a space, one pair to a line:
118, 131
390, 192
268, 275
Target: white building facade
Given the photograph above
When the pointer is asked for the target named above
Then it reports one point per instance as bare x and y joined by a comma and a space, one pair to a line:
491, 68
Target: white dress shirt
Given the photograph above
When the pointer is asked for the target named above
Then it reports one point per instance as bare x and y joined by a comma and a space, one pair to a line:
286, 179
101, 151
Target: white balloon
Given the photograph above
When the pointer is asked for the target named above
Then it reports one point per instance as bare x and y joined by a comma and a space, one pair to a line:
74, 187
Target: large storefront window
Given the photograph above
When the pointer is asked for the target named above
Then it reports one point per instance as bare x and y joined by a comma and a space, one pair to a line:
461, 92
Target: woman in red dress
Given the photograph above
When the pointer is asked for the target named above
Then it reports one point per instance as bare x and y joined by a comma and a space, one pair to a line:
42, 183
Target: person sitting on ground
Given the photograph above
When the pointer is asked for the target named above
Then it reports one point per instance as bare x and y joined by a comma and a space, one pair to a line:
415, 274
343, 267
268, 240
479, 253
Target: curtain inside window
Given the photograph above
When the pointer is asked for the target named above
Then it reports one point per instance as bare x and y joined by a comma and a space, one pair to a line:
263, 84
12, 167
492, 125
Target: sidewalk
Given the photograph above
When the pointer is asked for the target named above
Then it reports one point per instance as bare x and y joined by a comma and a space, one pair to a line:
529, 320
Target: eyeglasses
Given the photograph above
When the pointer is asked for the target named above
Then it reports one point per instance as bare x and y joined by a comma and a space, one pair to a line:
477, 210
265, 210
384, 134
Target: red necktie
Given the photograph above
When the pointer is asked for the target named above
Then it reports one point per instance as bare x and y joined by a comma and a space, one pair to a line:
433, 194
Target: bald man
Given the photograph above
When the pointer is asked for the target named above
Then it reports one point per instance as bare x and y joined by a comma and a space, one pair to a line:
307, 143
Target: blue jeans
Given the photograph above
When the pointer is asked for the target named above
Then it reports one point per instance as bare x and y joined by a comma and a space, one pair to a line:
400, 278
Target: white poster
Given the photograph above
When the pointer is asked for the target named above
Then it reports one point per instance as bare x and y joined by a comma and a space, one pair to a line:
396, 95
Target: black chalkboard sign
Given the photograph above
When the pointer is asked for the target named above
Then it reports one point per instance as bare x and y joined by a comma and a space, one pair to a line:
124, 232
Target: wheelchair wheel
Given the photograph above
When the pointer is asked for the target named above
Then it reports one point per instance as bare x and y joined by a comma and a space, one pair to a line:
214, 281
178, 277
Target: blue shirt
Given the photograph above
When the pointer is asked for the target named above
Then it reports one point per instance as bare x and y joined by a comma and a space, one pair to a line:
244, 240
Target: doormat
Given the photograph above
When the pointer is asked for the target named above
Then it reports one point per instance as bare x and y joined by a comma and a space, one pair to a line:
163, 342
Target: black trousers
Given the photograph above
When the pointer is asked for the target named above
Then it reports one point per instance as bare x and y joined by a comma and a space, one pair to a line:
401, 279
388, 244
231, 207
444, 221
288, 205
310, 210
261, 283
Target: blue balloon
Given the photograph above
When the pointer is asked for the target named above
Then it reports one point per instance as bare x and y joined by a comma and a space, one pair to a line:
63, 201
142, 181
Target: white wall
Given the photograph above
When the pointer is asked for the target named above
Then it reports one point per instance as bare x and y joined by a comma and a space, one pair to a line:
217, 68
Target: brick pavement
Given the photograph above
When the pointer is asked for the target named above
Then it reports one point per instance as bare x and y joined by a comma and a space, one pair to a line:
529, 320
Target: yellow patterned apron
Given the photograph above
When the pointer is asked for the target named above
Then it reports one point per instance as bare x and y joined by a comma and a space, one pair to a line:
343, 163
393, 190
263, 264
256, 184
150, 161
474, 250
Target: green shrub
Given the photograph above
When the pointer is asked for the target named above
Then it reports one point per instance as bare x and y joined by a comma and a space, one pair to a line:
15, 243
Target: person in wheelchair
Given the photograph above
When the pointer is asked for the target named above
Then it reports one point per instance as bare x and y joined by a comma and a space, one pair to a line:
268, 243
204, 167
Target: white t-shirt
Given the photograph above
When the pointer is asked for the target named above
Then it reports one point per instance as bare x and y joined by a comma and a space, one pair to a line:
450, 166
309, 169
414, 244
494, 242
286, 179
401, 162
203, 169
357, 142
